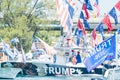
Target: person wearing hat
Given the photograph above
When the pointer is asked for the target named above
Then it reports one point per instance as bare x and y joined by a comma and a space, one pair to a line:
78, 57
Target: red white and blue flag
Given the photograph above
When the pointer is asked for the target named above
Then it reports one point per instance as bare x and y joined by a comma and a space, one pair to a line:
113, 14
86, 11
80, 26
107, 22
98, 54
65, 11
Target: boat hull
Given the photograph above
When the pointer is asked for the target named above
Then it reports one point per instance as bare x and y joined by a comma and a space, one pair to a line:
46, 69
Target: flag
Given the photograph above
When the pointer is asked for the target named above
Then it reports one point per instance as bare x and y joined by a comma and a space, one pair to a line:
88, 4
80, 26
98, 54
85, 10
71, 5
79, 35
118, 31
86, 24
94, 34
82, 15
7, 50
71, 10
69, 22
107, 22
78, 41
16, 40
113, 14
100, 28
118, 5
65, 16
76, 30
71, 2
96, 5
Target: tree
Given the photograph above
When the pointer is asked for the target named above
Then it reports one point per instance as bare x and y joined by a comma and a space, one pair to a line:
21, 18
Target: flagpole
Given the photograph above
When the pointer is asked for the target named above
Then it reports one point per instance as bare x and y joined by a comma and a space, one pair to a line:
117, 49
117, 42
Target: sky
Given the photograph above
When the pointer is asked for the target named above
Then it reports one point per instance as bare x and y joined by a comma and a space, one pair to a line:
105, 5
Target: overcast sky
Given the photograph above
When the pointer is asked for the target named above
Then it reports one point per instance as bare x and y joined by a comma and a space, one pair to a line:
105, 5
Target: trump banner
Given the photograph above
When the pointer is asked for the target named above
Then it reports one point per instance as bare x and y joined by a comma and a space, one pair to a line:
98, 54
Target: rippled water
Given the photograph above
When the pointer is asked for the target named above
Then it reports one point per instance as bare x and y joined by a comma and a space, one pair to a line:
68, 77
46, 78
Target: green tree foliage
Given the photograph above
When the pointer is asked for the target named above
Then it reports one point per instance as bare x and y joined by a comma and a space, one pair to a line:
21, 18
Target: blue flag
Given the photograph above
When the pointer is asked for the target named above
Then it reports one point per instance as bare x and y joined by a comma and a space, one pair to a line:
82, 15
88, 4
97, 2
79, 35
100, 28
70, 9
86, 24
78, 41
69, 23
113, 14
99, 53
76, 30
118, 31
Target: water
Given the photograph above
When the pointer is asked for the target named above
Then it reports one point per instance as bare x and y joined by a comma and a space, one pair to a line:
63, 77
49, 78
46, 78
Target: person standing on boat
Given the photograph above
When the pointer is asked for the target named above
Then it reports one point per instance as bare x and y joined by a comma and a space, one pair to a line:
73, 53
71, 56
78, 57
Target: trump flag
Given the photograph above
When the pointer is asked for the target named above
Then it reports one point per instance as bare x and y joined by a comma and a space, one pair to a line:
98, 54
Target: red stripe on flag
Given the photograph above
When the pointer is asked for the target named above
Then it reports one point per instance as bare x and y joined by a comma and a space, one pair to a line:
86, 12
94, 34
80, 26
118, 5
107, 22
63, 12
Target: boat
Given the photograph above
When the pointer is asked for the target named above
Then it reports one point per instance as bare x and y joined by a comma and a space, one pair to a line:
43, 65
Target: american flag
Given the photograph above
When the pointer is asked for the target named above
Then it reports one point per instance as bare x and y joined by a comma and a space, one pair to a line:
7, 50
65, 16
